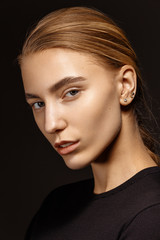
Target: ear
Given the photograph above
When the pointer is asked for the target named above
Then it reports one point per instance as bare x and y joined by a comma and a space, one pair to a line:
127, 84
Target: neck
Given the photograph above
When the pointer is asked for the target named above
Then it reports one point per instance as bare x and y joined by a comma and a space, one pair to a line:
125, 157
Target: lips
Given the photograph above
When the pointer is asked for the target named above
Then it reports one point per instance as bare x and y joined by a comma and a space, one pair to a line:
66, 147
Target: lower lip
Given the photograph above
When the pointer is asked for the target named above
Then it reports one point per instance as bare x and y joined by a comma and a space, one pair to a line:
68, 149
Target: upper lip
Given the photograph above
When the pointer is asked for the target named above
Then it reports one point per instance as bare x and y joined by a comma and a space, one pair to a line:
58, 144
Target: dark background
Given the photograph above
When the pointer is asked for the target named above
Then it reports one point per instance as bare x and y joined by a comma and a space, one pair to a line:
30, 169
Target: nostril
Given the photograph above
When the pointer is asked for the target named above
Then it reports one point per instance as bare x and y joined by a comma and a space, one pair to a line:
55, 126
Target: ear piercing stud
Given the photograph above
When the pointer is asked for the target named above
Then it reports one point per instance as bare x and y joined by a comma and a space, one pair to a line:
132, 96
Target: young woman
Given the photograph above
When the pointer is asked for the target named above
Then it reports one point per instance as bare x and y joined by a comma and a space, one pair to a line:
82, 80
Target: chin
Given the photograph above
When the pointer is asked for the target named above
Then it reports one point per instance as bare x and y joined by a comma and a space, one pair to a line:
74, 163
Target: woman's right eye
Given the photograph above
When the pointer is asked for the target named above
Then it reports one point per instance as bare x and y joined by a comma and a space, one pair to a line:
38, 105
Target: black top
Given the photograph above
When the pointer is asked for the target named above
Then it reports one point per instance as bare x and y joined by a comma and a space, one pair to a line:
130, 211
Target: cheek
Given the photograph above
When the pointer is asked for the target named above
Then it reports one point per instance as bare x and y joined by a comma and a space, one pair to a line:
106, 121
99, 123
97, 111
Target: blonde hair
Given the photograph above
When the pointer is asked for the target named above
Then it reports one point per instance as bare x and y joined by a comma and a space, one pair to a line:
90, 31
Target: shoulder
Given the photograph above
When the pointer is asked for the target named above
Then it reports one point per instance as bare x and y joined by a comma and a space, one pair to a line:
145, 225
143, 190
71, 190
59, 205
65, 198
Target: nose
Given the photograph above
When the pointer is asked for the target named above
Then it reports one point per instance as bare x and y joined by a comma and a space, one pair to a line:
54, 120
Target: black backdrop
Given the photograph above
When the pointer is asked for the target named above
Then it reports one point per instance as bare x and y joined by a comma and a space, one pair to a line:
29, 167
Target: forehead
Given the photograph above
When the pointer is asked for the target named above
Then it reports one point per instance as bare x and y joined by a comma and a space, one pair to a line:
54, 63
61, 56
51, 65
57, 56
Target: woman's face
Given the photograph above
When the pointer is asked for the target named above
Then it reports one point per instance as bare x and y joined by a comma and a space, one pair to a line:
75, 103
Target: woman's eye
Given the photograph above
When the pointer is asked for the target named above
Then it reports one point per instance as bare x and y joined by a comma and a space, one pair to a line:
71, 93
38, 105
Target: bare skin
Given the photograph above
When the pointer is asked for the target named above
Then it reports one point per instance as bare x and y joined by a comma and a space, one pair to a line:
122, 164
83, 117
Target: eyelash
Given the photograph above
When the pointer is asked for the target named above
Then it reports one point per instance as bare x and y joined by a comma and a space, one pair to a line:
33, 105
73, 91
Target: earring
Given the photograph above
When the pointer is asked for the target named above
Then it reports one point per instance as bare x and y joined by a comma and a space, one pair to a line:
125, 100
132, 95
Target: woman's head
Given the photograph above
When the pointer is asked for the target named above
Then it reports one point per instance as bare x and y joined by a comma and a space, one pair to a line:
90, 33
74, 100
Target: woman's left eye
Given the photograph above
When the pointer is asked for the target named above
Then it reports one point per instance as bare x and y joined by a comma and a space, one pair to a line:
72, 93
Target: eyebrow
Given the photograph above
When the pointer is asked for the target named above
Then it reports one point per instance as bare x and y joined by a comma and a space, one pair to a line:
58, 85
